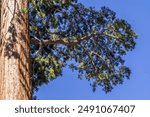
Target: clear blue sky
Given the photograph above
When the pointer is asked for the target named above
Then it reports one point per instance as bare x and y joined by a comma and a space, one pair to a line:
136, 12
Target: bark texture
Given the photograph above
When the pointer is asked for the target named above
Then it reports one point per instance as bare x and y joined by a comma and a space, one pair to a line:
15, 82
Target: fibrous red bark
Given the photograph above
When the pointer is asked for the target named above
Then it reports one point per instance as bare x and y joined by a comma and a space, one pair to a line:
15, 82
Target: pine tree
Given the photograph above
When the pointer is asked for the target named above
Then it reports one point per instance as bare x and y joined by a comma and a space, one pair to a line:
38, 47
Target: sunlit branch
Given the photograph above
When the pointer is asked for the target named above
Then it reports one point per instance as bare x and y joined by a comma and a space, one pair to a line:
64, 41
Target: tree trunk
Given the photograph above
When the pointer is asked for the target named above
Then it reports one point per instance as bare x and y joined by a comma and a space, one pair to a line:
15, 82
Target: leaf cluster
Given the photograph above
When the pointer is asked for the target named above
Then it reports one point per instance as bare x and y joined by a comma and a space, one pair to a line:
99, 59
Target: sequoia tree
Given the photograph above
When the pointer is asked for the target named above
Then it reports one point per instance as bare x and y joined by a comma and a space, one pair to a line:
38, 47
14, 51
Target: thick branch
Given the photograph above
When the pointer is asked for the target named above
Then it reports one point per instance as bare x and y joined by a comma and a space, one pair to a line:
64, 41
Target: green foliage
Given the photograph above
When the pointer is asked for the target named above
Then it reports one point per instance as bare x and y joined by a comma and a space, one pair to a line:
98, 59
45, 68
24, 10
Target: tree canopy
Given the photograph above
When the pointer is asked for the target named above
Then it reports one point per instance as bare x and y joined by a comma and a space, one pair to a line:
94, 41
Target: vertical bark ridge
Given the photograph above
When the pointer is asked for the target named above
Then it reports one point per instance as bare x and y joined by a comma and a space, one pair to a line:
15, 82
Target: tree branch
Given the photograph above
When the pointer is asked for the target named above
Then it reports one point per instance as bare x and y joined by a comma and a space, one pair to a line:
64, 41
90, 57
